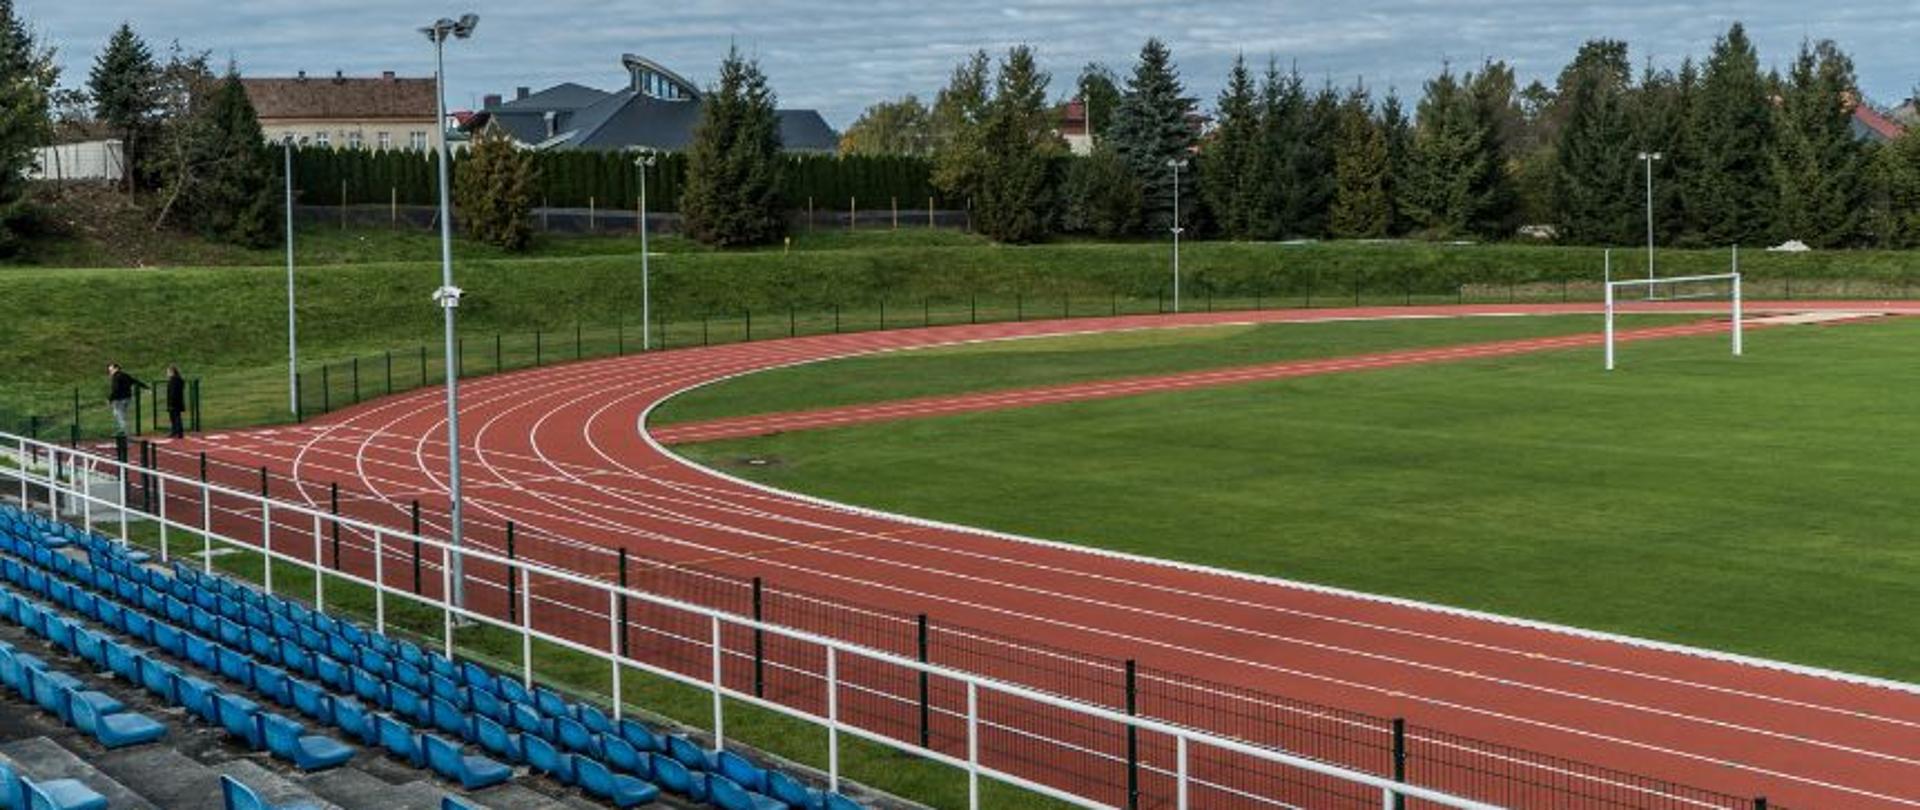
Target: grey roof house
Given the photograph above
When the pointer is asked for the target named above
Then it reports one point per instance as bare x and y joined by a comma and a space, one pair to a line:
657, 109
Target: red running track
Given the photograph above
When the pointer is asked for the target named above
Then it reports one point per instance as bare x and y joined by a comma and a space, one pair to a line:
562, 449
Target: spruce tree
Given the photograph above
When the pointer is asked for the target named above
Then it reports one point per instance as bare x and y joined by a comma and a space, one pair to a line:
1307, 178
1227, 166
1286, 135
1658, 109
493, 192
1595, 167
1397, 131
1361, 206
125, 84
1727, 189
1102, 197
1018, 185
219, 176
1152, 130
1818, 166
1896, 182
27, 76
734, 166
1442, 193
1497, 114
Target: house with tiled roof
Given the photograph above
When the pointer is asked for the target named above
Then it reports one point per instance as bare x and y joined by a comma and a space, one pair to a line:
657, 109
348, 112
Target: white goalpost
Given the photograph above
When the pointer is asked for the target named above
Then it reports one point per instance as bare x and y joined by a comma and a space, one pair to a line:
1677, 288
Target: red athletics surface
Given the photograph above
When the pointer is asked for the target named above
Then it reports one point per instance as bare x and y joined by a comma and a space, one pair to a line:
922, 407
560, 449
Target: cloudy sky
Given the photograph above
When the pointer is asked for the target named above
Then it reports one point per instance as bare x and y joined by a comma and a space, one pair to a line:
839, 56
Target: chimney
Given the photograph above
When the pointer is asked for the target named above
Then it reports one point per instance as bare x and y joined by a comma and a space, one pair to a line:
489, 101
386, 75
519, 93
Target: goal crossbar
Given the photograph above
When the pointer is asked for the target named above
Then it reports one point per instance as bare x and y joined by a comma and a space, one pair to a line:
1732, 278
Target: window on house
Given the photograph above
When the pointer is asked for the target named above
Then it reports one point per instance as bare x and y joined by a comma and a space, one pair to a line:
354, 140
321, 138
384, 139
417, 141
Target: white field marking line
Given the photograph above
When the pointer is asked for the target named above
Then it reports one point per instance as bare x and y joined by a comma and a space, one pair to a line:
1510, 718
1075, 392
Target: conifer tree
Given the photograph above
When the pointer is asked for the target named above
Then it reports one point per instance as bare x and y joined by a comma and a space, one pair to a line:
494, 192
1101, 196
27, 76
1818, 166
1397, 132
1228, 166
125, 84
1441, 193
1497, 114
1726, 186
1151, 130
1896, 183
221, 180
1018, 184
734, 166
1595, 167
1361, 206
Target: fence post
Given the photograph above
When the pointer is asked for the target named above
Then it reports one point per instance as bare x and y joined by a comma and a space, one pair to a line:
416, 547
263, 481
356, 380
973, 308
333, 505
299, 397
536, 348
326, 391
705, 335
926, 712
513, 593
883, 313
1759, 803
1399, 759
759, 645
576, 341
896, 213
1133, 740
836, 330
792, 322
138, 414
623, 602
749, 325
389, 372
196, 404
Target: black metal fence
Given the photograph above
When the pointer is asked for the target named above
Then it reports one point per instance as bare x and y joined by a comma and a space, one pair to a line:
1119, 767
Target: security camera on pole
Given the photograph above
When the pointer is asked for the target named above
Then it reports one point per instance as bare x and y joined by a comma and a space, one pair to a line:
1177, 164
448, 296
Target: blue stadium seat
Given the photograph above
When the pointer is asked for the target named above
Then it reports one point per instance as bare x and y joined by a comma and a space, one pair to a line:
621, 755
197, 697
623, 791
400, 740
237, 796
472, 772
690, 755
744, 773
542, 757
451, 720
410, 705
497, 740
669, 773
234, 664
113, 729
311, 700
797, 796
576, 738
729, 795
160, 679
241, 718
272, 682
355, 720
836, 801
16, 791
289, 741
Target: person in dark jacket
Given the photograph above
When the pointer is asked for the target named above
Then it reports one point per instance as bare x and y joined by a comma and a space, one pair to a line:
176, 401
120, 388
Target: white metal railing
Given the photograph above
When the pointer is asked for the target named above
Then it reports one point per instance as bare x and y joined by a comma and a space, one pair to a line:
66, 475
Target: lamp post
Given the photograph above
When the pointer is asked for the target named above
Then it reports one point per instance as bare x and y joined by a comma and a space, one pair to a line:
645, 161
448, 296
293, 343
1177, 164
1648, 158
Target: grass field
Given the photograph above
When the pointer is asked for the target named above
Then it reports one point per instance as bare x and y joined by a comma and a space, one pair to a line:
1742, 504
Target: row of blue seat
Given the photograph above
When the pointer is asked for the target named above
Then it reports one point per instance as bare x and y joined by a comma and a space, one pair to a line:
280, 736
575, 743
95, 713
17, 792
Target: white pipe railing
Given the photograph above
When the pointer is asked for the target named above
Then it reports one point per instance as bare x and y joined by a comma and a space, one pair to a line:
977, 687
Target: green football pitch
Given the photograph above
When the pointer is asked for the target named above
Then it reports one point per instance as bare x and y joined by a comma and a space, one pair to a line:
1758, 504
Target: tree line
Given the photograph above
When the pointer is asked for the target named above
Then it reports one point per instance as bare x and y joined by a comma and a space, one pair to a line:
1744, 155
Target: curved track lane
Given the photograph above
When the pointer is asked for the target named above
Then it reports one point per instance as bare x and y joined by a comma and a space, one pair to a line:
562, 450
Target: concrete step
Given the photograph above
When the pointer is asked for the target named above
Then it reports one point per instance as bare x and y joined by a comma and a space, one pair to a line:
40, 758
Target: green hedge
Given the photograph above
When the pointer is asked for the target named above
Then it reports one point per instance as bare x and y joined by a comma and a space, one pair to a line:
608, 180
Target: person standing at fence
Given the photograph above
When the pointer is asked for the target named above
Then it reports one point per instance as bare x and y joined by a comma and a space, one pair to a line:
120, 388
176, 401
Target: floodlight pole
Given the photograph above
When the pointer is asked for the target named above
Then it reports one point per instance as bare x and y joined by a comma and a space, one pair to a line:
448, 297
1648, 158
645, 162
1177, 164
1739, 344
293, 343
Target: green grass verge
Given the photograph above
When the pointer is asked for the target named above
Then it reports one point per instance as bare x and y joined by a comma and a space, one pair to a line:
1025, 363
880, 767
365, 292
1740, 504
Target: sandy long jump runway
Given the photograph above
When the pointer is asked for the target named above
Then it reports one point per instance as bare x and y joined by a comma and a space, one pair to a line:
562, 449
